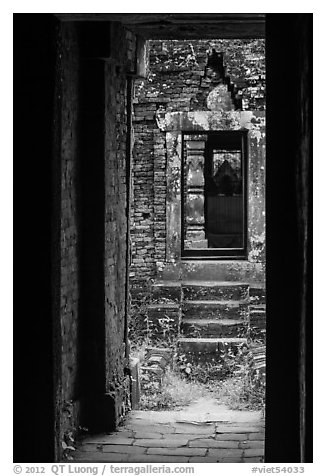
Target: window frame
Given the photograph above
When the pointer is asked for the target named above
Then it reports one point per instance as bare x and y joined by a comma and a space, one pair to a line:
217, 253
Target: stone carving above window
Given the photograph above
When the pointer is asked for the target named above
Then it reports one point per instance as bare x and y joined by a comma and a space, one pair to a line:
216, 92
219, 99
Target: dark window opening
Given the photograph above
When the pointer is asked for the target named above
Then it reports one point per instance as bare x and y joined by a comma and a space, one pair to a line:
214, 206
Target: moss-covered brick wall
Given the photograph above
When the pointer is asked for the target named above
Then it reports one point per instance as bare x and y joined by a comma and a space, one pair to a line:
180, 79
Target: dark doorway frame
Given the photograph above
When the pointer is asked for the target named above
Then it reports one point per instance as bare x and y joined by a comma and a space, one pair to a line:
289, 243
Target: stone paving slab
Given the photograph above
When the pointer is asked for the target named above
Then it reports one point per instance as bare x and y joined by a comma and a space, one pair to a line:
170, 443
97, 456
159, 459
146, 435
251, 444
202, 429
257, 436
253, 460
113, 439
177, 451
205, 432
121, 449
225, 453
230, 460
231, 437
210, 443
201, 459
159, 429
237, 429
254, 452
188, 436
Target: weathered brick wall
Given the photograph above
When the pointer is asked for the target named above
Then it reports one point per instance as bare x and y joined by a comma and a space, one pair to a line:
67, 98
72, 350
116, 215
179, 81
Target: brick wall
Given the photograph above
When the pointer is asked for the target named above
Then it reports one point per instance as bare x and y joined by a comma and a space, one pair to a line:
116, 144
67, 129
91, 331
180, 80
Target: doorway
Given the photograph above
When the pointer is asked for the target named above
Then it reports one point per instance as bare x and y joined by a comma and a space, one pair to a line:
214, 206
198, 232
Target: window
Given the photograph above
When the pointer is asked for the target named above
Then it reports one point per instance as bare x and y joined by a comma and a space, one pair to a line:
214, 207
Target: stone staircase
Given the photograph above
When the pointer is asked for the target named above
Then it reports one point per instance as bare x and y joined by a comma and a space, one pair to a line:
206, 317
215, 317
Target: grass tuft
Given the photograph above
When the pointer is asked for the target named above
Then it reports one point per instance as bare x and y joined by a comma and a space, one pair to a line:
174, 392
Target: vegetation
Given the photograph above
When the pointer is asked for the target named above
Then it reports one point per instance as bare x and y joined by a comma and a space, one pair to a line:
174, 392
230, 380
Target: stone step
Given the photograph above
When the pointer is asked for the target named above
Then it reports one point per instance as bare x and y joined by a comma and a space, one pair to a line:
258, 363
258, 307
257, 320
163, 319
257, 316
203, 350
257, 295
163, 307
215, 309
220, 270
166, 291
214, 328
214, 290
139, 294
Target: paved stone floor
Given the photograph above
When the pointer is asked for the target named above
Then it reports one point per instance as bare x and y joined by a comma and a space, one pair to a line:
204, 432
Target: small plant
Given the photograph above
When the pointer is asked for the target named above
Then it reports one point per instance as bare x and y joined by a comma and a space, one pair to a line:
243, 391
174, 392
138, 321
67, 445
229, 379
222, 368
